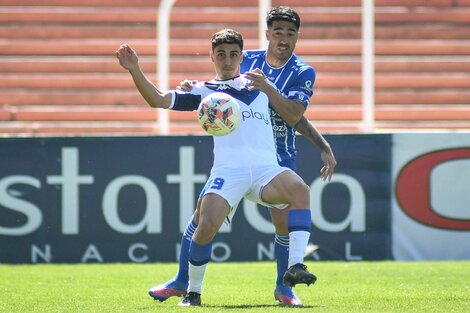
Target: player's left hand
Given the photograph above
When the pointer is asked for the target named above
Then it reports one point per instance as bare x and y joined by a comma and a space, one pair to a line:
186, 85
329, 162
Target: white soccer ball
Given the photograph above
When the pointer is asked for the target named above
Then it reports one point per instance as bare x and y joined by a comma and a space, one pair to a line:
219, 114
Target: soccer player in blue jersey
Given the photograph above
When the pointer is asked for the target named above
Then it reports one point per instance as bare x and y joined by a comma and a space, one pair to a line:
293, 80
245, 163
289, 93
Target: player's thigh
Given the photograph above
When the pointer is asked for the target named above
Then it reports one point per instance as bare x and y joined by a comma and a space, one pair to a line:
213, 210
287, 187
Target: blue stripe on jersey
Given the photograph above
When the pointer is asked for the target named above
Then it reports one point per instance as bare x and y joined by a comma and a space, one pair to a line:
295, 81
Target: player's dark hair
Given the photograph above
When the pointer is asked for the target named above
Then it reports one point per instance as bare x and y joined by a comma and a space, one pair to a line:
227, 36
283, 13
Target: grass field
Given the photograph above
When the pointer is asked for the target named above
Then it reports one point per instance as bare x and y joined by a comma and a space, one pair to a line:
238, 287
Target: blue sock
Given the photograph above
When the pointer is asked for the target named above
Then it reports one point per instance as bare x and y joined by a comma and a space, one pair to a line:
182, 275
199, 254
299, 220
299, 224
281, 252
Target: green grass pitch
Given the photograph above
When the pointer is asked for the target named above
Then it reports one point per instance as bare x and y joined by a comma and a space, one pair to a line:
238, 287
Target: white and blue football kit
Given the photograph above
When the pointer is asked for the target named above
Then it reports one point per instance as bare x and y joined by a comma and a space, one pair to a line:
244, 160
294, 80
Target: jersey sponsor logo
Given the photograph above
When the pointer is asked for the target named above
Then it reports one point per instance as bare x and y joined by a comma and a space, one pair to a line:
247, 114
308, 87
280, 127
281, 130
308, 84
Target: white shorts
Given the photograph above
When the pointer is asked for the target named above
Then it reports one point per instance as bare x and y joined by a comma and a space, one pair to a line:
234, 184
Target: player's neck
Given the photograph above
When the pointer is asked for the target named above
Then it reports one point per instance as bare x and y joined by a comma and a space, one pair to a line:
276, 62
219, 78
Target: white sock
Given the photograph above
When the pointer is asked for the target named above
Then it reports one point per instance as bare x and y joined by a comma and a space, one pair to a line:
298, 241
196, 275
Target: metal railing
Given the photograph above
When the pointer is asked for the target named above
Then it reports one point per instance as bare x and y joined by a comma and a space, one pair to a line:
163, 61
368, 66
368, 69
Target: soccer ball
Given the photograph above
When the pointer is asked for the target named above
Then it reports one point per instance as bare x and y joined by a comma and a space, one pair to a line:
219, 114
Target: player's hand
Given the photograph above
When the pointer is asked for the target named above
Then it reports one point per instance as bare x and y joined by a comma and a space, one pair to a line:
127, 57
258, 80
329, 162
186, 85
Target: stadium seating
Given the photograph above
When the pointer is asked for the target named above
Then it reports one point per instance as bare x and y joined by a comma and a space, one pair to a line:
59, 75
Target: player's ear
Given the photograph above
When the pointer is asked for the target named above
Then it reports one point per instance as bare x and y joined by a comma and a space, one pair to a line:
266, 33
241, 57
211, 54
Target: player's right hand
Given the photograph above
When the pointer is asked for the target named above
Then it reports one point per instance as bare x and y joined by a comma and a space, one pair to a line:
186, 85
127, 57
329, 160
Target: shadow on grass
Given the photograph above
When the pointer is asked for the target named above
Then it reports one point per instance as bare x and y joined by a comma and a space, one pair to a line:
247, 306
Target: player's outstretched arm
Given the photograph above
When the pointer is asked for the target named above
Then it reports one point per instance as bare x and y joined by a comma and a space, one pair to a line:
129, 60
309, 131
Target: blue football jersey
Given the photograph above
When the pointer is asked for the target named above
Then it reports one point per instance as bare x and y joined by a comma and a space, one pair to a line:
294, 81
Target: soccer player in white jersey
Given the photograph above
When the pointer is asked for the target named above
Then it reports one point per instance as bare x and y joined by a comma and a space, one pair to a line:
245, 163
293, 80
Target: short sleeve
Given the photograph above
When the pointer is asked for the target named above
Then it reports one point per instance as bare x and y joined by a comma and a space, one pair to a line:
302, 89
186, 101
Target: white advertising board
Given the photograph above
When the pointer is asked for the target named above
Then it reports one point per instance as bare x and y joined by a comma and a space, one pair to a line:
431, 196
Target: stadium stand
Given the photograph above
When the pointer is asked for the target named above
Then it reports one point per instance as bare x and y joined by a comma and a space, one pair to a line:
59, 75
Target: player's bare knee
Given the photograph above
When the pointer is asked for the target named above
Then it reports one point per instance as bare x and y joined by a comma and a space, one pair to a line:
204, 233
210, 224
299, 189
300, 197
